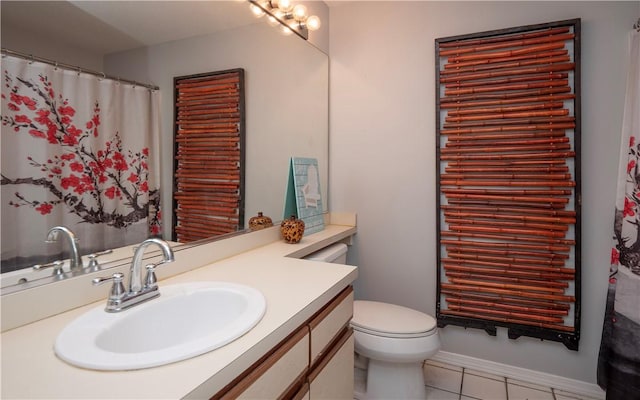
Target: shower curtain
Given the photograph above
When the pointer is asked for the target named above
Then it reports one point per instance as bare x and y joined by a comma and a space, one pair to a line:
78, 151
619, 360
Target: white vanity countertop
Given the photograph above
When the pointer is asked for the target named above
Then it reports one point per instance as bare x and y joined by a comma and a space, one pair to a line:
295, 289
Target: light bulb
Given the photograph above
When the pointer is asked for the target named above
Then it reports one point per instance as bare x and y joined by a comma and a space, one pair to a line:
300, 12
313, 23
257, 11
285, 5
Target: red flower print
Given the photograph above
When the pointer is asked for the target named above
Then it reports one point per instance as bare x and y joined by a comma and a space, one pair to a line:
86, 176
80, 189
632, 141
76, 166
112, 192
43, 117
51, 134
69, 140
70, 181
615, 256
66, 110
37, 133
119, 162
86, 180
44, 208
74, 131
23, 119
630, 166
629, 208
29, 102
15, 98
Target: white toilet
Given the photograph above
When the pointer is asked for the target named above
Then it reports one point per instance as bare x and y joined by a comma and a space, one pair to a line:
393, 340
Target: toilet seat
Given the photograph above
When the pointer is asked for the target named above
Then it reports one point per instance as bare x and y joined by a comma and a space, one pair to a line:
390, 320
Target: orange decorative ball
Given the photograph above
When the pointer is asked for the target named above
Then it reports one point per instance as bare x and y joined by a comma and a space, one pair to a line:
292, 229
259, 222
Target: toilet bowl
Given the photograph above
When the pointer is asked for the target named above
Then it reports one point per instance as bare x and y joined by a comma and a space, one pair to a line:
396, 340
391, 343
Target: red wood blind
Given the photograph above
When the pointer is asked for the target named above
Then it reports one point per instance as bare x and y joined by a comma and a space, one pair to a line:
209, 136
507, 167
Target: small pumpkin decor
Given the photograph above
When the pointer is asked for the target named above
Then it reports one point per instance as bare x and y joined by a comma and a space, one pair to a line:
259, 222
292, 229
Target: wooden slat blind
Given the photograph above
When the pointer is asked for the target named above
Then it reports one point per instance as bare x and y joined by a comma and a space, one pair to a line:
508, 222
209, 155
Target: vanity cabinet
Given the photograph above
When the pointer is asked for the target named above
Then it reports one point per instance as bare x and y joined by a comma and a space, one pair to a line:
313, 362
285, 366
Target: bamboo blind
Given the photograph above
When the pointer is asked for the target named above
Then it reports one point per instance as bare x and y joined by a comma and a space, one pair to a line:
209, 155
508, 222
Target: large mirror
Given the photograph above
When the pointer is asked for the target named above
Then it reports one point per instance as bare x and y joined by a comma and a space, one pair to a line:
286, 80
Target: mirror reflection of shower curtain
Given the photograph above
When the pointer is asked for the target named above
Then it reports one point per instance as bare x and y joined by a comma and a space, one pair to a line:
78, 151
619, 359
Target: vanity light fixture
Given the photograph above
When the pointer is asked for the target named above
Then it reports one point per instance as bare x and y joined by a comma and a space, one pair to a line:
291, 18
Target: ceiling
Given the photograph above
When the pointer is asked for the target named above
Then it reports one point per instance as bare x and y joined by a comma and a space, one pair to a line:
104, 27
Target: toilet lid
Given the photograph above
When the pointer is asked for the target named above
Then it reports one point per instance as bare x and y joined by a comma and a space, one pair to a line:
391, 319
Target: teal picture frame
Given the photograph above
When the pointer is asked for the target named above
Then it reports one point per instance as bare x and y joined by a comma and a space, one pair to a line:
303, 197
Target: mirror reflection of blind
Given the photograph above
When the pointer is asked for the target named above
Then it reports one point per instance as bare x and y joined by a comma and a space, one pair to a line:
209, 155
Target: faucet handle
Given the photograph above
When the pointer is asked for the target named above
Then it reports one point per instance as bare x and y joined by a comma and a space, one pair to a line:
117, 290
56, 265
93, 262
150, 281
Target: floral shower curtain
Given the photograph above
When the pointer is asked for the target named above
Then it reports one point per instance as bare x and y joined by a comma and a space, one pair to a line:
619, 360
78, 151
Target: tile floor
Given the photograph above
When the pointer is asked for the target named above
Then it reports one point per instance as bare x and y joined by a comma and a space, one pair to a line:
451, 382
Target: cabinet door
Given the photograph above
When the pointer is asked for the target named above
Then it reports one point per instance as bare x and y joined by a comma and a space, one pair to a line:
326, 326
274, 377
333, 377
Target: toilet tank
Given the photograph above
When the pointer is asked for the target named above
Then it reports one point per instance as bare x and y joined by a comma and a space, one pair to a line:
335, 253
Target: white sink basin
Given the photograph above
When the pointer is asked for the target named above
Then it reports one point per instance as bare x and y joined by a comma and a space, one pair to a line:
185, 321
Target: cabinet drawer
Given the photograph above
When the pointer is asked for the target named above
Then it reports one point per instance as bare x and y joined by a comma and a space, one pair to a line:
333, 376
273, 377
329, 322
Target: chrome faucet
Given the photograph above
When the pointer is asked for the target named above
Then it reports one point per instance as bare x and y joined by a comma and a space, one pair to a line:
75, 261
135, 272
121, 299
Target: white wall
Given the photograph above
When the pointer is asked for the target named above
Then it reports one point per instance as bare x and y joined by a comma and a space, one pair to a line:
382, 146
23, 39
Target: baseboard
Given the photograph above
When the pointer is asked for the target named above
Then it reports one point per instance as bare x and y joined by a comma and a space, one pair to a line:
557, 382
